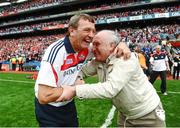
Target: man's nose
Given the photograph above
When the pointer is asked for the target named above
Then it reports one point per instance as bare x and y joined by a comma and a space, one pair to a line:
91, 34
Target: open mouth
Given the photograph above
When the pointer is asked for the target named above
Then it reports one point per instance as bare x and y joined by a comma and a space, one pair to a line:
88, 41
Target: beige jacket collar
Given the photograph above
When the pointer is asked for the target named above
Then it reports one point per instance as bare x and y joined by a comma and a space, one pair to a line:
110, 59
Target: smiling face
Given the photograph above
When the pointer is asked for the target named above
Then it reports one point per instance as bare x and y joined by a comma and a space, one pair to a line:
158, 48
103, 46
82, 36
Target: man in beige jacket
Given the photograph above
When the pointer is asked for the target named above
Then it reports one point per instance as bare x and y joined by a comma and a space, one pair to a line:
122, 81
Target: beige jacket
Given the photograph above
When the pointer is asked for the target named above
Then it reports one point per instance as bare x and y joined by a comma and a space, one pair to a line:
122, 81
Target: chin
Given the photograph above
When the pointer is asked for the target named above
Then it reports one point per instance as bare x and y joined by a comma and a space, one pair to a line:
85, 45
98, 59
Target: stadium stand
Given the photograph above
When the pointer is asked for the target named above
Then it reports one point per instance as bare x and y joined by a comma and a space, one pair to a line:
27, 28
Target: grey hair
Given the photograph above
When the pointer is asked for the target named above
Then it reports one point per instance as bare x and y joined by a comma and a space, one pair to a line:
113, 36
74, 20
158, 46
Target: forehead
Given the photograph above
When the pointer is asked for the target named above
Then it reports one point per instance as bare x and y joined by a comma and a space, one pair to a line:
102, 36
97, 38
158, 47
86, 24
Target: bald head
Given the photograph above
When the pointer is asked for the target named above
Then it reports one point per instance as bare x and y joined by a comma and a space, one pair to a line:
104, 43
108, 36
158, 48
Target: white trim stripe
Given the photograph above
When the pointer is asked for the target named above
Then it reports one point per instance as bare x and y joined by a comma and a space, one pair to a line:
56, 53
54, 49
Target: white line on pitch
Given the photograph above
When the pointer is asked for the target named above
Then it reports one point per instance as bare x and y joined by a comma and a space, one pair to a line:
109, 118
19, 81
171, 92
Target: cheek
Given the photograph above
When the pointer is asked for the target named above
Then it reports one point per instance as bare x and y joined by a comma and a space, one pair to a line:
98, 50
103, 50
81, 34
78, 35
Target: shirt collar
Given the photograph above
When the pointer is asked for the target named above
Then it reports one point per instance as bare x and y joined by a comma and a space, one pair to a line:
108, 61
68, 45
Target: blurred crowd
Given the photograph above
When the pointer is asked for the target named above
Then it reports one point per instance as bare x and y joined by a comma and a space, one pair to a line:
104, 6
150, 34
32, 27
40, 26
27, 49
41, 3
29, 5
137, 12
31, 48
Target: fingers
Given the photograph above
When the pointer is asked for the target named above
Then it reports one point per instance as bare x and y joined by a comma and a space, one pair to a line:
68, 93
122, 51
127, 55
60, 99
115, 51
63, 98
79, 82
118, 52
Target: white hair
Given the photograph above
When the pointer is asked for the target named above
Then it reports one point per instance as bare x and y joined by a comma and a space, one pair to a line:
113, 36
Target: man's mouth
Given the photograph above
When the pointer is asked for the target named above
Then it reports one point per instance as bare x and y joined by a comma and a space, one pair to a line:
88, 41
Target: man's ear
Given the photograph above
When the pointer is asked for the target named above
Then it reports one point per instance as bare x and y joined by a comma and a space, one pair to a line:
71, 30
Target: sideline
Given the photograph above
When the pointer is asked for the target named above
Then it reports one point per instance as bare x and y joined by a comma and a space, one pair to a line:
169, 92
19, 81
109, 118
17, 72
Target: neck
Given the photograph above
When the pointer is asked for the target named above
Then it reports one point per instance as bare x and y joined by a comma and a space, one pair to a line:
74, 44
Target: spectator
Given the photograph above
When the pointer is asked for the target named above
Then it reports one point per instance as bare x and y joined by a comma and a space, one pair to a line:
176, 65
142, 59
1, 63
159, 62
14, 62
20, 61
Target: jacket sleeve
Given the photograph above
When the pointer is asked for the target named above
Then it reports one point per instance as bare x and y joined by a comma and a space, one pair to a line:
89, 69
117, 79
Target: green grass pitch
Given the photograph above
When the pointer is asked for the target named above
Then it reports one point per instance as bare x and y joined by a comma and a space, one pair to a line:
17, 104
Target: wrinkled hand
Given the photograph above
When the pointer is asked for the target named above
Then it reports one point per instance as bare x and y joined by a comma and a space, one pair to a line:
68, 93
122, 50
79, 81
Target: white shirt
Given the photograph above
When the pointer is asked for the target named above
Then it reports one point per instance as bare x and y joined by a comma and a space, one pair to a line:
60, 66
158, 62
